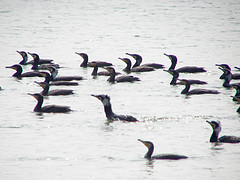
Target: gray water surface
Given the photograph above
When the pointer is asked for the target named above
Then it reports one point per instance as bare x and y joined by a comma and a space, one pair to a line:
81, 144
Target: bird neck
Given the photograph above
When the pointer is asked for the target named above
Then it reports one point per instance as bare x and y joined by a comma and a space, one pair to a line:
35, 63
186, 89
112, 77
174, 79
214, 136
54, 74
108, 110
174, 63
148, 155
85, 61
94, 72
18, 73
228, 78
138, 62
47, 78
237, 92
24, 60
38, 107
128, 67
45, 90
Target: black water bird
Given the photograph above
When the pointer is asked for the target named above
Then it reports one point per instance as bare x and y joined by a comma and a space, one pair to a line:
128, 68
101, 73
47, 77
175, 75
226, 66
54, 76
187, 90
55, 92
149, 153
119, 79
85, 62
48, 108
216, 126
105, 99
19, 71
138, 62
228, 78
25, 59
36, 61
237, 94
185, 69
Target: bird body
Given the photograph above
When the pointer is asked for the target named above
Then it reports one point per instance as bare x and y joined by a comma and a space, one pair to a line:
175, 75
149, 153
48, 108
112, 78
54, 76
105, 99
25, 59
187, 90
55, 92
128, 68
138, 62
185, 69
216, 126
85, 62
19, 71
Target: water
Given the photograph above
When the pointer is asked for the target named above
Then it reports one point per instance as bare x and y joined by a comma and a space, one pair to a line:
82, 145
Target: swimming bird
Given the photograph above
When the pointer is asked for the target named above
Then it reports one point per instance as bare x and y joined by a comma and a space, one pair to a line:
55, 92
48, 108
149, 153
19, 71
216, 126
237, 94
138, 59
175, 75
47, 77
85, 62
25, 59
128, 68
112, 78
228, 78
54, 76
105, 99
226, 66
187, 91
36, 61
186, 69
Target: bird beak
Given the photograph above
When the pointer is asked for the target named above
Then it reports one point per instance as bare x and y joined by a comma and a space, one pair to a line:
166, 54
10, 67
32, 95
209, 123
96, 96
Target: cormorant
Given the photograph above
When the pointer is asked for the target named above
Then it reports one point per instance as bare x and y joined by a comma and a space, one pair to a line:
25, 59
226, 66
47, 77
55, 92
105, 99
138, 59
19, 73
228, 78
237, 94
175, 75
128, 69
186, 69
54, 76
36, 61
149, 156
48, 108
85, 62
112, 78
195, 91
216, 125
